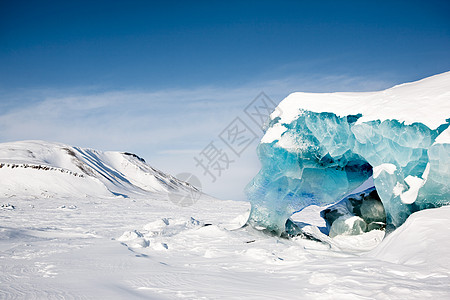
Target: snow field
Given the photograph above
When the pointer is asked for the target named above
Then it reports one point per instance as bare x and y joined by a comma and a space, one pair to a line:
140, 247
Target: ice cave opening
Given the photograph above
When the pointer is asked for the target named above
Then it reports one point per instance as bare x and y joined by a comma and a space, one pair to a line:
320, 157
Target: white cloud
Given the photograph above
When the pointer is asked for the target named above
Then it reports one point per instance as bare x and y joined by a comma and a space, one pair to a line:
166, 127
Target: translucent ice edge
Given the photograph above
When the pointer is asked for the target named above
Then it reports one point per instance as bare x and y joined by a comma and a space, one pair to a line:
319, 158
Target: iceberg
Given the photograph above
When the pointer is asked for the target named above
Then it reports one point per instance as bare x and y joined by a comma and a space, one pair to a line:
319, 147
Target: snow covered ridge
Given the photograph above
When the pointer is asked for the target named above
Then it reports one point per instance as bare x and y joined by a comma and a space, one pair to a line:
38, 168
320, 147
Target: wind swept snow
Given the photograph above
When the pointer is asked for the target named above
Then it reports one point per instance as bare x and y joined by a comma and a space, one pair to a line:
141, 247
74, 244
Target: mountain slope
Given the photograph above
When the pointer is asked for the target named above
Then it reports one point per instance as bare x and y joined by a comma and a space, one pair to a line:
38, 168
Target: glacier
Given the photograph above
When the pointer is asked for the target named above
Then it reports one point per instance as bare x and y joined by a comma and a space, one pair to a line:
319, 147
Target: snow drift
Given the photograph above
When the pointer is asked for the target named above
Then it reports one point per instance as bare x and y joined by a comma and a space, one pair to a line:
320, 147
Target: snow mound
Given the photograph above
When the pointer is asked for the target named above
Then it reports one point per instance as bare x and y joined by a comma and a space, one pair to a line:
43, 169
421, 240
157, 234
320, 147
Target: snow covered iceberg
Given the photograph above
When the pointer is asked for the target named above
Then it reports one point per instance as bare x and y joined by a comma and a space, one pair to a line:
319, 147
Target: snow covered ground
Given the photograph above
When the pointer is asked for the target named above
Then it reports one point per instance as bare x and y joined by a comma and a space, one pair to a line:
132, 248
137, 244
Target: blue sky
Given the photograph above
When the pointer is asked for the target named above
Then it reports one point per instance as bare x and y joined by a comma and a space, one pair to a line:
163, 79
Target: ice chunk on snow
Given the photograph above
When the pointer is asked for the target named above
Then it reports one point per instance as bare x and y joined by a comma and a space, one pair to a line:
134, 239
355, 214
129, 236
323, 146
347, 226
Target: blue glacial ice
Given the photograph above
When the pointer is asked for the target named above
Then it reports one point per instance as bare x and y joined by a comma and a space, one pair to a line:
319, 157
355, 214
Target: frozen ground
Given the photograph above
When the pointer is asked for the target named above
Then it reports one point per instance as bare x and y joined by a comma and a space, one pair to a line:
83, 224
139, 247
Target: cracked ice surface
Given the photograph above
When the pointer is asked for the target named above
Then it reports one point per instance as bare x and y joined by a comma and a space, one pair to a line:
320, 147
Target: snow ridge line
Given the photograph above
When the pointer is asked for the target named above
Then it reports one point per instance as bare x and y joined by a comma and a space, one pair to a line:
40, 167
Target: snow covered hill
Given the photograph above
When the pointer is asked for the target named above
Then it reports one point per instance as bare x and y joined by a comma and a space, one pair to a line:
65, 233
43, 169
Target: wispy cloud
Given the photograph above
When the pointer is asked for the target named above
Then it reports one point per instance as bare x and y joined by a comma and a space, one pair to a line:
167, 127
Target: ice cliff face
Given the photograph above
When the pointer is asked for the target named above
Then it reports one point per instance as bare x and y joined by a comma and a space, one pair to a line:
320, 147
